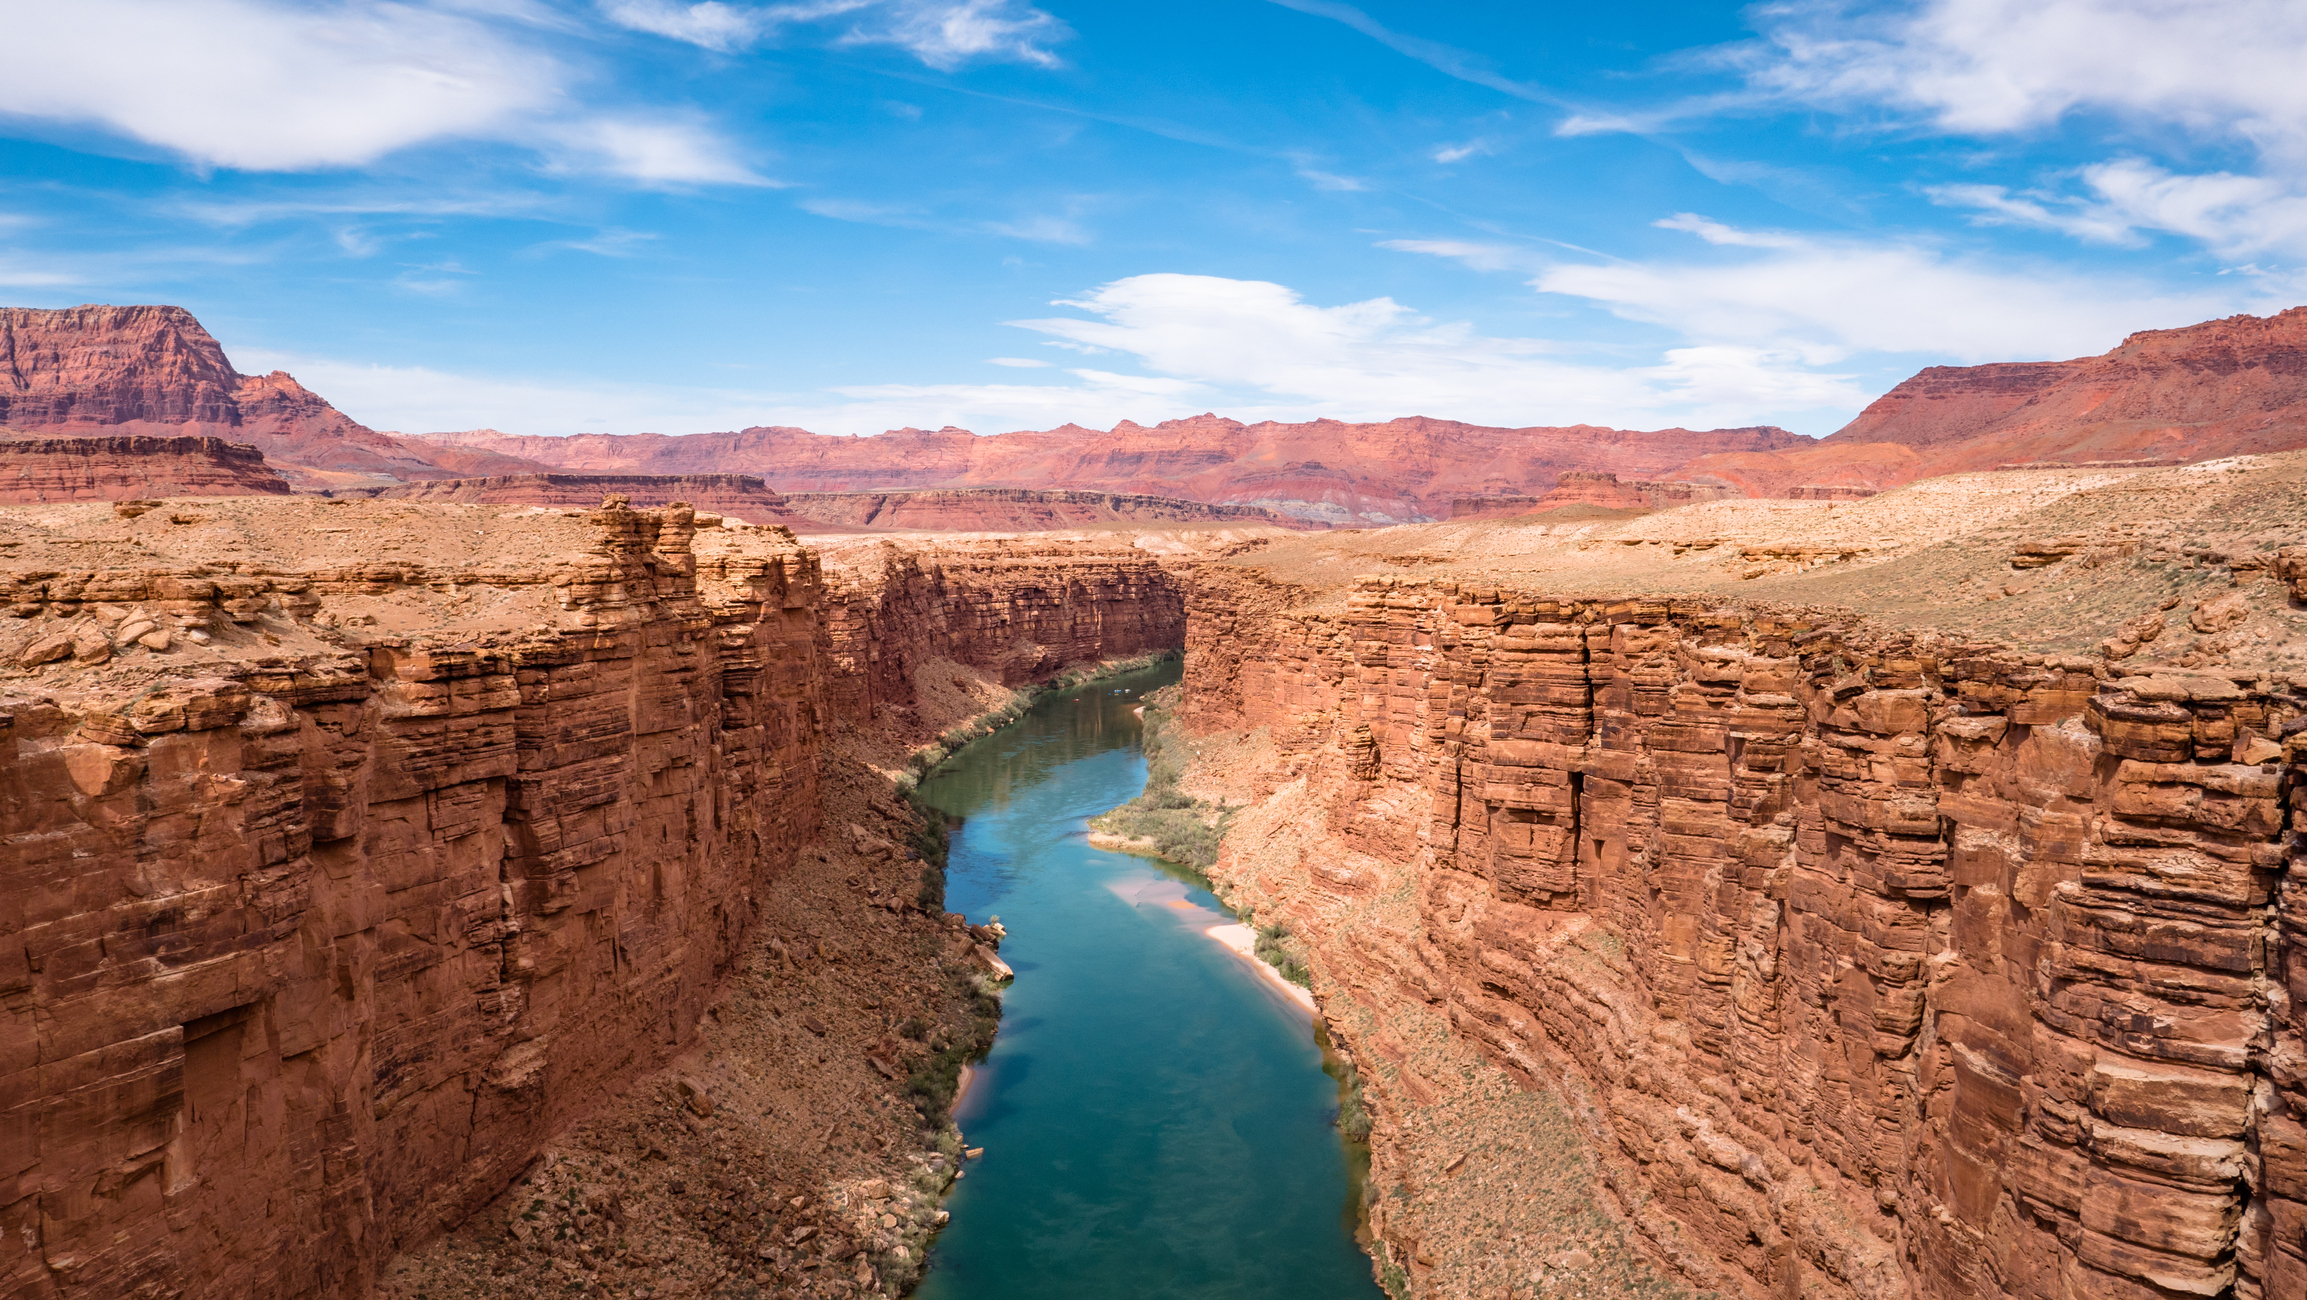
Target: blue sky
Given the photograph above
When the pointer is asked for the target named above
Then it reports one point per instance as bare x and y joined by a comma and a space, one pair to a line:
853, 215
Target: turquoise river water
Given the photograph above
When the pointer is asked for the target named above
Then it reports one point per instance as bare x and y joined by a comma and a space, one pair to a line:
1155, 1117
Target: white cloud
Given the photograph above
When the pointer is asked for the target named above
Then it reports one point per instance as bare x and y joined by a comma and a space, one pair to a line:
1271, 352
1017, 363
1827, 299
941, 33
1450, 153
260, 85
1250, 349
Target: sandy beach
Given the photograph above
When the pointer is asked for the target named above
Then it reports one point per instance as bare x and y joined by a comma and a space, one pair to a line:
1244, 942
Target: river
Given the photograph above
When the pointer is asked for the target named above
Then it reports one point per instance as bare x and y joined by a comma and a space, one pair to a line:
1155, 1117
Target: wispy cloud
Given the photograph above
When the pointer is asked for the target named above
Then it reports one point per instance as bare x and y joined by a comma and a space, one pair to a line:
613, 241
1453, 153
2233, 215
943, 34
1448, 60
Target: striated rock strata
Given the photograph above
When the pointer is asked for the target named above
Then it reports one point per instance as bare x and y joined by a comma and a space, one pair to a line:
126, 466
1013, 510
738, 495
316, 931
1881, 963
1589, 488
1328, 471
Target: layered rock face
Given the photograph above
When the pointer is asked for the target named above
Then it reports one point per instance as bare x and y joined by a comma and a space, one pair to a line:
155, 370
1889, 964
1322, 470
1020, 612
1014, 510
1588, 488
124, 466
317, 929
737, 495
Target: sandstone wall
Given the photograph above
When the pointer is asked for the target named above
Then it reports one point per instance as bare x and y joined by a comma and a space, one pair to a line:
1894, 966
1021, 613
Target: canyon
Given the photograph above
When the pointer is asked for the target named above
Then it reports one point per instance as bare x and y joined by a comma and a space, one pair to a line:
1881, 897
1858, 868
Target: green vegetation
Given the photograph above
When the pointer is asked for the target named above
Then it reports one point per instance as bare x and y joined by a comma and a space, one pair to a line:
1274, 952
1353, 1118
934, 1082
1182, 828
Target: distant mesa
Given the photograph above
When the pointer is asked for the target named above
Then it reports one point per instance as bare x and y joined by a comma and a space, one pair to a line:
1015, 510
93, 370
1589, 488
120, 466
2220, 388
2162, 397
1321, 471
737, 496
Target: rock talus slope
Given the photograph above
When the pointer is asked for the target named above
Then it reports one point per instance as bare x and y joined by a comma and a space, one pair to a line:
1879, 962
340, 880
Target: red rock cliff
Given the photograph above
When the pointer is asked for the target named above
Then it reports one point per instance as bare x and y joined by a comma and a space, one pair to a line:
1888, 965
155, 370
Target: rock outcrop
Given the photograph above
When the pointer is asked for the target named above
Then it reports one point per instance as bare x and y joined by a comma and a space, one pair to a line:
154, 370
739, 496
1013, 510
339, 879
1880, 963
127, 466
1326, 471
